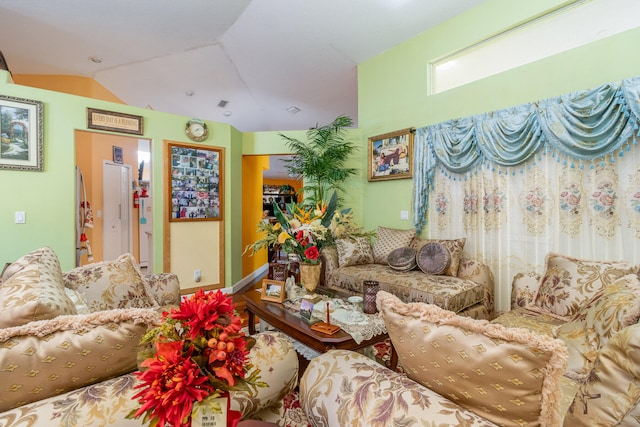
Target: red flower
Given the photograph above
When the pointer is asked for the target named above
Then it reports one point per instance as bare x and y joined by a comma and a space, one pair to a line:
204, 312
233, 365
312, 253
170, 385
199, 351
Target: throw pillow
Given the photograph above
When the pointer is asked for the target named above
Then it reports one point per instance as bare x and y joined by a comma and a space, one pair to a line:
388, 240
610, 310
433, 258
112, 284
613, 387
455, 248
354, 251
34, 291
508, 376
569, 282
402, 259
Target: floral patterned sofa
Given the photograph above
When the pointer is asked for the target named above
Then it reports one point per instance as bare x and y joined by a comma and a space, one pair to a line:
567, 354
465, 286
69, 343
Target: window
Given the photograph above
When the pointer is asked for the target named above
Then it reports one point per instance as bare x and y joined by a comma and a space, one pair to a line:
577, 24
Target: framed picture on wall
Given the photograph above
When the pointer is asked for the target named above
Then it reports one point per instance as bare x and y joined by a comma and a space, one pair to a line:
21, 134
391, 155
117, 154
195, 176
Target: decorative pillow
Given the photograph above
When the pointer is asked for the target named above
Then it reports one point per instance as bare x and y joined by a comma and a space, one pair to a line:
613, 388
388, 240
34, 291
508, 376
354, 251
611, 309
402, 259
50, 357
79, 301
569, 282
455, 248
433, 258
112, 284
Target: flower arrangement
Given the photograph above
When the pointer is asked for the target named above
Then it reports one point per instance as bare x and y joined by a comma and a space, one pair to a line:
301, 230
198, 351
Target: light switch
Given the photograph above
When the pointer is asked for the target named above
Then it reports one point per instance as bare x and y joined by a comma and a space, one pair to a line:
404, 214
21, 217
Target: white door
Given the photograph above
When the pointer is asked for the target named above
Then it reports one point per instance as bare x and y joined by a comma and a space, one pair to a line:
117, 207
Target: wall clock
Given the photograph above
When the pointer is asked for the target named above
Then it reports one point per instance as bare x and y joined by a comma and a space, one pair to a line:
197, 130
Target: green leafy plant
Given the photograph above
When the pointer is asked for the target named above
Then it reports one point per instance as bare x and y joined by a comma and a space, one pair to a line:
321, 161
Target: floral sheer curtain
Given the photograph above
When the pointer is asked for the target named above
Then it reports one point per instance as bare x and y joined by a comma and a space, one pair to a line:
560, 175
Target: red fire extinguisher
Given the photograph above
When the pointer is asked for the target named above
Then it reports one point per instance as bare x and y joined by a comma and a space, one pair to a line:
136, 200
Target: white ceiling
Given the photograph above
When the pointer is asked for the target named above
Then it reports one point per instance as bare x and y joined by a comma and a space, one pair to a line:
262, 56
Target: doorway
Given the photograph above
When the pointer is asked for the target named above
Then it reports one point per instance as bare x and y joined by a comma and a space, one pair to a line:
92, 151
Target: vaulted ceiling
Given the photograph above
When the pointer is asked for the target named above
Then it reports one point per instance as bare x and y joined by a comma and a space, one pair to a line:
263, 57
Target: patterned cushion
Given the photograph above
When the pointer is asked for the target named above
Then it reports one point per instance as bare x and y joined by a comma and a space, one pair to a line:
112, 284
402, 259
354, 251
433, 258
508, 376
345, 388
569, 282
612, 392
49, 357
611, 309
450, 293
34, 290
455, 249
388, 240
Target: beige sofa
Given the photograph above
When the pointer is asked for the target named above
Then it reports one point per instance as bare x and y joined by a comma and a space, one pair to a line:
465, 287
69, 343
568, 353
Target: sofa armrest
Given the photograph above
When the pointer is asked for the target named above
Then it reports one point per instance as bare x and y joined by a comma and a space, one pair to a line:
277, 360
330, 265
524, 289
480, 273
50, 357
164, 288
345, 388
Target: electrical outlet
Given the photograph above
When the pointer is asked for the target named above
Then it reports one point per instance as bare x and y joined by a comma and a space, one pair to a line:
404, 214
197, 275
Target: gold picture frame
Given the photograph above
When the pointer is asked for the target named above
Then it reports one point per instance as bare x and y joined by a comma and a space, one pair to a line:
114, 121
273, 290
195, 175
21, 132
390, 155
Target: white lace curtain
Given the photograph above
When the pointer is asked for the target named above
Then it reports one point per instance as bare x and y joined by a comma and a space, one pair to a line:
547, 199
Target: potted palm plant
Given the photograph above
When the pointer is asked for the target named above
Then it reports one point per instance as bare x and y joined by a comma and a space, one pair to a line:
321, 161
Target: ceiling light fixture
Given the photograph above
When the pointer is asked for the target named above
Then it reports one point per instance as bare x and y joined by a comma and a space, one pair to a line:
96, 59
189, 92
227, 113
293, 109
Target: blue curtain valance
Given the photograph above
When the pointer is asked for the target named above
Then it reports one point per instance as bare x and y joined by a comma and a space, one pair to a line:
584, 126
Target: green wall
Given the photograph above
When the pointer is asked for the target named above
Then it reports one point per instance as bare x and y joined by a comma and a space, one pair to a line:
392, 95
392, 87
48, 197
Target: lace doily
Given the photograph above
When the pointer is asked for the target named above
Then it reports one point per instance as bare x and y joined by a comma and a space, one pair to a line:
359, 331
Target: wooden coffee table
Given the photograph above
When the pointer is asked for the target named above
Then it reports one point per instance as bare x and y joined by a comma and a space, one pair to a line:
289, 324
